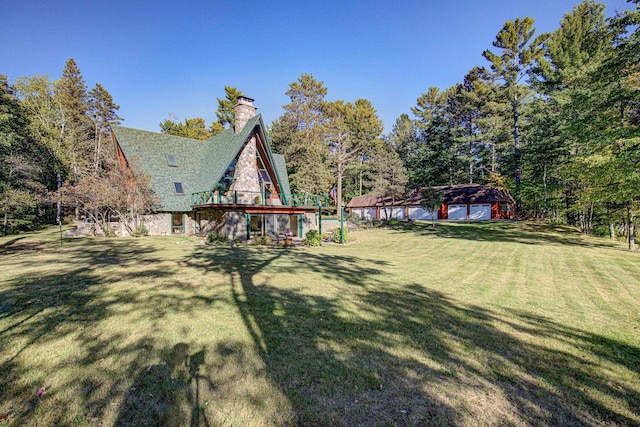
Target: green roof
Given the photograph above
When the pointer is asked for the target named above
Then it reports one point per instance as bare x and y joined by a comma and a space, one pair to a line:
200, 164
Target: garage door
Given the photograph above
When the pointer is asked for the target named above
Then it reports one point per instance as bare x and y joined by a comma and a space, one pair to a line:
370, 213
457, 212
397, 213
421, 213
479, 212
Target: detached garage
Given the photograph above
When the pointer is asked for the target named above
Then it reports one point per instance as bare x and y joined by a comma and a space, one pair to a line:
470, 202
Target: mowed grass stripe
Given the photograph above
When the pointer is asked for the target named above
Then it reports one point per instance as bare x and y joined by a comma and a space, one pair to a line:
486, 323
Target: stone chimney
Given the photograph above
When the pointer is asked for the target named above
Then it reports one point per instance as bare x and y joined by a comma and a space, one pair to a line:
243, 111
246, 185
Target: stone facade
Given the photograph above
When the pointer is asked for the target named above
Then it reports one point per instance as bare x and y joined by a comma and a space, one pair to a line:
245, 179
235, 225
243, 111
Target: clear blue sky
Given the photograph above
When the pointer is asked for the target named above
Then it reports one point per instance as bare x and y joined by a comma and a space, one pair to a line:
174, 57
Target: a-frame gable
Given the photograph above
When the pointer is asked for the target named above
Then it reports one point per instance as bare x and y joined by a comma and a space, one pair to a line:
255, 126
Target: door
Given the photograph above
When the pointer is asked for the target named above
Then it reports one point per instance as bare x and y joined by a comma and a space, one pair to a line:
457, 212
417, 212
480, 212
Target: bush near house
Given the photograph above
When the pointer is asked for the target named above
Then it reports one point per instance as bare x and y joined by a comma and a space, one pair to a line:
313, 238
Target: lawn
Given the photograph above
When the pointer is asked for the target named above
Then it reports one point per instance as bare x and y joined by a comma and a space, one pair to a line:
466, 324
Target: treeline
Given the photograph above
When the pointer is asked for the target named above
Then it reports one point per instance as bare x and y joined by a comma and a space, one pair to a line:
553, 117
50, 132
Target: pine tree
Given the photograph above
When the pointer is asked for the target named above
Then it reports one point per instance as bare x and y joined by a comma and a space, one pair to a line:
103, 114
299, 135
225, 112
518, 51
73, 101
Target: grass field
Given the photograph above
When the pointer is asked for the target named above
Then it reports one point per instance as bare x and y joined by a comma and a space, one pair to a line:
467, 324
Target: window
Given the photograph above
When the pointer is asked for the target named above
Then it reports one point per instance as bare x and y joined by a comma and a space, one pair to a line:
177, 186
264, 175
171, 160
177, 223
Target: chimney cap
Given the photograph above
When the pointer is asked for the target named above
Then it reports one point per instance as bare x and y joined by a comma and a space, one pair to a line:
245, 100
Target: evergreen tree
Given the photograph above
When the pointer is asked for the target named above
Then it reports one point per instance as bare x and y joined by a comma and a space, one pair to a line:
518, 51
225, 112
351, 130
433, 162
191, 128
386, 176
300, 136
72, 98
103, 114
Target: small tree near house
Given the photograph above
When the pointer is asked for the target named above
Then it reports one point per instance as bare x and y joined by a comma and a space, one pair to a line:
125, 194
431, 201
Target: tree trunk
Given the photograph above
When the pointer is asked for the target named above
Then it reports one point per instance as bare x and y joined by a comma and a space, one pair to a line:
516, 146
360, 175
339, 190
493, 157
5, 221
631, 226
544, 186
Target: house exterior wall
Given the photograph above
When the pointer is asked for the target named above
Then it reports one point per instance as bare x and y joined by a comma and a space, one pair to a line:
235, 225
309, 222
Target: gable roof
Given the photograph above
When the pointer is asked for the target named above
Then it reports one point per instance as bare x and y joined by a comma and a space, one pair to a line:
201, 164
452, 194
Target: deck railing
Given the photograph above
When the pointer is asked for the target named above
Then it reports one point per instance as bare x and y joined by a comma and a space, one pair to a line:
254, 198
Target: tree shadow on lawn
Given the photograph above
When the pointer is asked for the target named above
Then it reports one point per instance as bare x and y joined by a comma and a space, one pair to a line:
169, 393
64, 305
529, 233
383, 354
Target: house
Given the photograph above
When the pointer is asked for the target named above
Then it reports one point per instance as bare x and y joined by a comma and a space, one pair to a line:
231, 183
459, 202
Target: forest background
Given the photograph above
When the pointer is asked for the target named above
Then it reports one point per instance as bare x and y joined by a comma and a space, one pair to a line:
552, 117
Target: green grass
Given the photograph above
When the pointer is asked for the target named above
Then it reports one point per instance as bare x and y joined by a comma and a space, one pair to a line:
467, 324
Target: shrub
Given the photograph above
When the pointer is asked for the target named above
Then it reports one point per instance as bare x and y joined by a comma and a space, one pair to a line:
140, 231
393, 222
216, 239
336, 234
264, 240
313, 238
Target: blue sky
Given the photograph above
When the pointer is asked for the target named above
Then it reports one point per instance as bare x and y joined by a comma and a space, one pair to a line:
172, 57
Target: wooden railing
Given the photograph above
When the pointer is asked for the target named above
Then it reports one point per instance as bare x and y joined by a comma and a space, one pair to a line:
252, 198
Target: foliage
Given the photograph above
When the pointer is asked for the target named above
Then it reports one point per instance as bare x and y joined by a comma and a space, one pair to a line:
313, 238
191, 128
264, 241
300, 136
217, 239
335, 237
517, 53
225, 111
125, 194
430, 200
392, 222
140, 230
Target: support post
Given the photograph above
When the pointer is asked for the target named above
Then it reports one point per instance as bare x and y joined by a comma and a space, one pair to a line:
248, 219
341, 226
